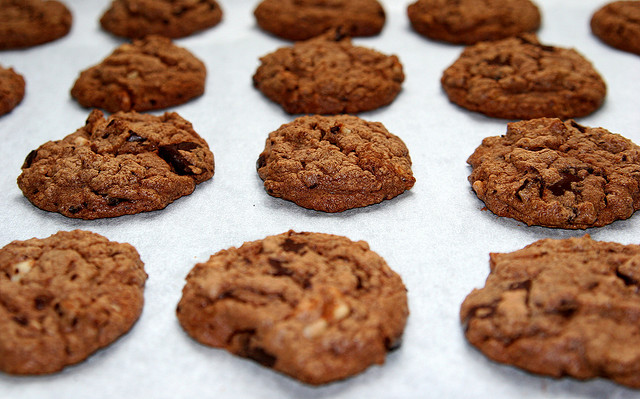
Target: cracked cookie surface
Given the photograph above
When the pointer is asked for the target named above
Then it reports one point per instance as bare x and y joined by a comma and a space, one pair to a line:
64, 297
328, 75
304, 19
136, 19
317, 307
519, 78
150, 73
125, 164
12, 86
334, 163
618, 24
471, 21
26, 23
561, 308
558, 174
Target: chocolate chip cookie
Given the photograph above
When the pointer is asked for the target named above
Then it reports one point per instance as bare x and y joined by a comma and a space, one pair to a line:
561, 308
304, 19
549, 173
136, 19
317, 307
334, 163
125, 164
471, 21
618, 24
151, 73
64, 297
329, 75
12, 87
26, 23
519, 78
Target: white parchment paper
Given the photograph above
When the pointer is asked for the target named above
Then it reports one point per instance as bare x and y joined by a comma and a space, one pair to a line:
437, 237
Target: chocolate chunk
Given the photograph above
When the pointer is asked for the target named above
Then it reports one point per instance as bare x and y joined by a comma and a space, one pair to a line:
171, 154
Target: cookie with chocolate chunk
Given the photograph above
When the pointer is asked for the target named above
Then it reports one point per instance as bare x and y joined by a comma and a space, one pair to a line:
304, 19
471, 21
618, 24
125, 164
316, 307
12, 87
561, 308
136, 19
335, 163
519, 78
150, 73
558, 174
64, 297
26, 23
329, 75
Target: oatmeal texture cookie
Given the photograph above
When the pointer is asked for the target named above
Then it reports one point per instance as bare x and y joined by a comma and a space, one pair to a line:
549, 173
561, 308
317, 307
136, 19
12, 88
328, 75
304, 19
334, 163
150, 73
64, 297
126, 164
27, 23
618, 24
519, 78
471, 21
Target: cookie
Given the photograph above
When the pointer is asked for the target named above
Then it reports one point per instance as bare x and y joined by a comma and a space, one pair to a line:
549, 173
64, 297
136, 19
317, 307
618, 24
329, 75
304, 19
561, 308
12, 87
125, 164
26, 23
519, 78
150, 73
334, 163
472, 21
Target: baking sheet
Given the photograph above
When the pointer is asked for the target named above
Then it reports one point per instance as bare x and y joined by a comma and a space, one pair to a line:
437, 237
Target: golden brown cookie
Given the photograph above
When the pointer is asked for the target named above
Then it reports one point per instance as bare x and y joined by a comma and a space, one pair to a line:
12, 88
125, 164
151, 73
561, 308
549, 173
618, 24
335, 163
26, 23
317, 307
64, 297
136, 19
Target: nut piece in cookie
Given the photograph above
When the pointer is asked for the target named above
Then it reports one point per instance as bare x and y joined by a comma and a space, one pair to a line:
150, 73
12, 88
26, 23
519, 78
618, 24
304, 19
136, 19
561, 308
317, 307
334, 163
328, 75
126, 164
64, 297
549, 173
471, 21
